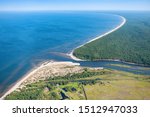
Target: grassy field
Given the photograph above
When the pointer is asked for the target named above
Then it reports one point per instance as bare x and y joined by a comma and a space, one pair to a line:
130, 43
91, 85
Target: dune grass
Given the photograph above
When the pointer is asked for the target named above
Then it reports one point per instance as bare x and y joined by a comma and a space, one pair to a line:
98, 85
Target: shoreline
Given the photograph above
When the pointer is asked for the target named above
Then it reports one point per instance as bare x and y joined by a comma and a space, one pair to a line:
105, 34
33, 71
19, 82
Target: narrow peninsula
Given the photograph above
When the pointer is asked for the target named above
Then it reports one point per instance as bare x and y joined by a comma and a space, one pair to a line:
129, 44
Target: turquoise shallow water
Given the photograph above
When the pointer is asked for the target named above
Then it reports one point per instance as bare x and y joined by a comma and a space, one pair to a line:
28, 38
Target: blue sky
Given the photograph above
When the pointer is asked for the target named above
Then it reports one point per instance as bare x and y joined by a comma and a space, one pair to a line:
74, 5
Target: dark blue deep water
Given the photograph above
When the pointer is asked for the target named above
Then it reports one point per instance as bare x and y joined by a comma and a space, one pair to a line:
28, 38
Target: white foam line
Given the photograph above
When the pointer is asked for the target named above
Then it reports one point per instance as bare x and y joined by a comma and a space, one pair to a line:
30, 73
49, 63
119, 26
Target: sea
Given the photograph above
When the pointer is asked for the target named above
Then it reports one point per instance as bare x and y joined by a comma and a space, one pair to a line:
30, 38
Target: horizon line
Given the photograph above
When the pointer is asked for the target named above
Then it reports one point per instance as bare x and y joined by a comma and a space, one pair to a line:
28, 10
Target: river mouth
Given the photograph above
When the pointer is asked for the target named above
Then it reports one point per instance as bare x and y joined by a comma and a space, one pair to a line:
112, 64
108, 64
28, 39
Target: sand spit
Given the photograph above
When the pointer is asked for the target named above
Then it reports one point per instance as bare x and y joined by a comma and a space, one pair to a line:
119, 26
51, 69
44, 71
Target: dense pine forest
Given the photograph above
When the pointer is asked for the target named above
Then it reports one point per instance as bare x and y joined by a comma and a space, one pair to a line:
131, 43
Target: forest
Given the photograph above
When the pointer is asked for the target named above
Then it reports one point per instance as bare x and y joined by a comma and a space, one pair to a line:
89, 85
56, 88
130, 43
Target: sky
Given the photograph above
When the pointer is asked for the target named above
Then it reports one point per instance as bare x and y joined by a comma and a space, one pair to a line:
19, 5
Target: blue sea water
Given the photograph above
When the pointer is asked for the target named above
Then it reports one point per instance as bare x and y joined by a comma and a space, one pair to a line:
28, 38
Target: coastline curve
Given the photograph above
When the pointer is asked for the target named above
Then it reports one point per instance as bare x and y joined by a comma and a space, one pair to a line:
105, 34
32, 72
71, 55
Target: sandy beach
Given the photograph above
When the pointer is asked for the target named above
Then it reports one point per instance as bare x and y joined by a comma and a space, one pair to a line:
45, 70
51, 68
119, 26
